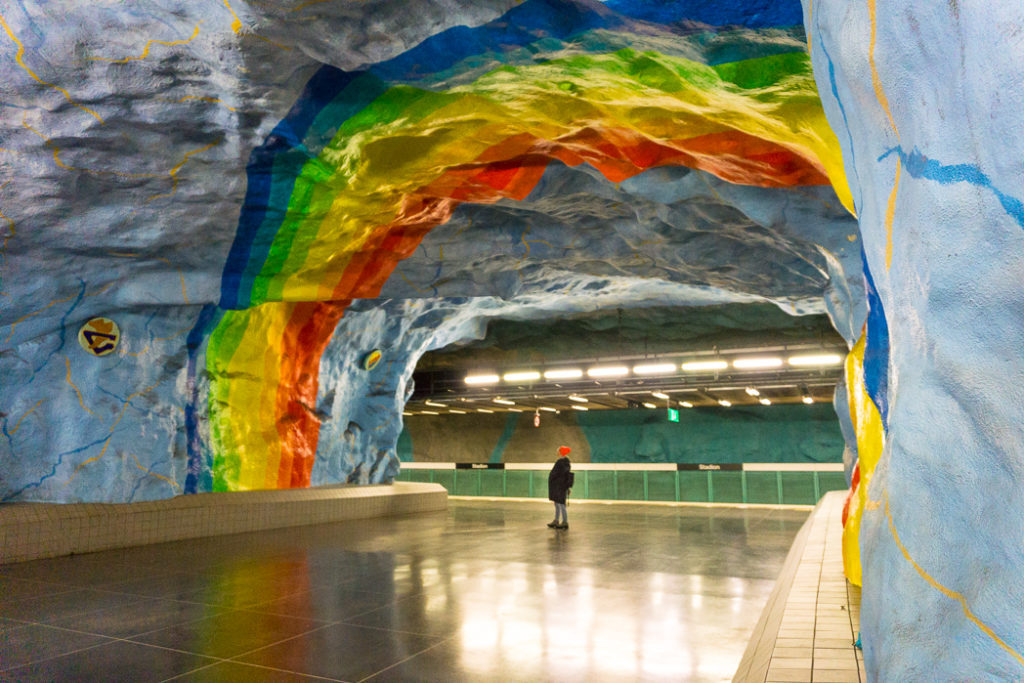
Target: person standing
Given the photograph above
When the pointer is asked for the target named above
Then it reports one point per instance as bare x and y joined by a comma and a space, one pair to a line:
560, 480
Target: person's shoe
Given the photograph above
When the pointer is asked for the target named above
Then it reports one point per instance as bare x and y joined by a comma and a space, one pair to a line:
562, 526
552, 525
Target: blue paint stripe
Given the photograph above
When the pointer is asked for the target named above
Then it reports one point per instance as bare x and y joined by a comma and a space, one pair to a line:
876, 348
858, 201
209, 316
748, 13
917, 165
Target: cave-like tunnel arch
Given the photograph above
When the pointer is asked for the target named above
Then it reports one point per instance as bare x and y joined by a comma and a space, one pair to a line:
258, 195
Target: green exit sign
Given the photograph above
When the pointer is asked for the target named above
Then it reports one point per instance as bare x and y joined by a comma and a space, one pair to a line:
673, 415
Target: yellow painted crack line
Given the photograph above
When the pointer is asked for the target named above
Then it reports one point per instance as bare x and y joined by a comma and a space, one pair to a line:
20, 58
61, 164
159, 339
34, 313
106, 443
876, 81
948, 592
154, 474
173, 173
30, 411
236, 26
67, 378
145, 50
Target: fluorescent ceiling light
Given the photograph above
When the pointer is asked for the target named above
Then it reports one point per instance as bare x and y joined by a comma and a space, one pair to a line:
808, 400
406, 413
457, 412
658, 394
765, 402
484, 410
649, 405
699, 365
756, 363
429, 412
686, 404
504, 401
751, 391
578, 399
824, 359
563, 374
724, 403
580, 408
655, 369
434, 403
550, 410
515, 410
608, 371
481, 379
523, 376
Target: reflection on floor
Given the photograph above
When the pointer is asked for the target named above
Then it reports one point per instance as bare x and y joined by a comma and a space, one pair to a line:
481, 592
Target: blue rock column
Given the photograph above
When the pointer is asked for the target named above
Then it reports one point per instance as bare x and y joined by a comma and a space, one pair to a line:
926, 100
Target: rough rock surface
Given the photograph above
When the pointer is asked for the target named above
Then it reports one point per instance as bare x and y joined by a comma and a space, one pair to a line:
925, 100
222, 180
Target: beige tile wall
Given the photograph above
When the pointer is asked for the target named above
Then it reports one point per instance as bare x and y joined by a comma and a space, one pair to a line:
30, 531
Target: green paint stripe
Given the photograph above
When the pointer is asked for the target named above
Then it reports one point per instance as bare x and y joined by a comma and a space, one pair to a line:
510, 427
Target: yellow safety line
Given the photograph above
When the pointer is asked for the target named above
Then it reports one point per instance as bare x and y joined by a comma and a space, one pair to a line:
884, 101
21, 62
67, 378
145, 50
949, 593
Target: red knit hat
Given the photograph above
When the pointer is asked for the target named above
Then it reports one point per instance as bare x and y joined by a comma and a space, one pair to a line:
564, 450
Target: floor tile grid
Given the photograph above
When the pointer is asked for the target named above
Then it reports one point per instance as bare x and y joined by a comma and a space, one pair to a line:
135, 638
815, 638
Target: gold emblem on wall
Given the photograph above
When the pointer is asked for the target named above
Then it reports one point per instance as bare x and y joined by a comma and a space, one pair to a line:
99, 336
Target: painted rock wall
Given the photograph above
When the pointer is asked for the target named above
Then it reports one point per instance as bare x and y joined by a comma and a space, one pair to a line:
258, 196
925, 100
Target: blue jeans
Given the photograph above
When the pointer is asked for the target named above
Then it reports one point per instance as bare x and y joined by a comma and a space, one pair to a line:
561, 516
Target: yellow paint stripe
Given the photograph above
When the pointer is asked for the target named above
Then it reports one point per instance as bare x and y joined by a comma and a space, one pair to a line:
154, 474
67, 378
876, 81
145, 50
19, 57
30, 411
236, 25
890, 213
948, 592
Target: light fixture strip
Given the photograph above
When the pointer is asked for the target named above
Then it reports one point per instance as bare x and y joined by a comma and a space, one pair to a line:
521, 376
482, 379
608, 371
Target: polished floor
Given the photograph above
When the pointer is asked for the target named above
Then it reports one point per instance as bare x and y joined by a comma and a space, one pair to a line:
482, 592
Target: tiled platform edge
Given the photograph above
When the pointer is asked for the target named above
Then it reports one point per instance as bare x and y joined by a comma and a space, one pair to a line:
807, 630
30, 531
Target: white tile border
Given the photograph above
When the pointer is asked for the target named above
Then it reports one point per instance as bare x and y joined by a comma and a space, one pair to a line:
38, 530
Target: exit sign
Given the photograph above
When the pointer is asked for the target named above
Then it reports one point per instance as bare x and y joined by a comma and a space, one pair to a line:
673, 415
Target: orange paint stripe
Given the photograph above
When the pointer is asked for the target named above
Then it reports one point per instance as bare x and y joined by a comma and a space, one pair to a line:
305, 337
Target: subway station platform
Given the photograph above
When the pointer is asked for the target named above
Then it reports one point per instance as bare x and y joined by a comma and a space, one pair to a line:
483, 591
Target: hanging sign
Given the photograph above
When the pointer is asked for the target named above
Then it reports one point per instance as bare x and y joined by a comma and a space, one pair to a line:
99, 336
536, 419
673, 415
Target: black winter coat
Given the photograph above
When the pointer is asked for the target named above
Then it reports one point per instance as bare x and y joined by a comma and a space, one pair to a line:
560, 480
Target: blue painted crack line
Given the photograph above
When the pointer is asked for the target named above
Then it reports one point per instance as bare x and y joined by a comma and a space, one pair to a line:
920, 166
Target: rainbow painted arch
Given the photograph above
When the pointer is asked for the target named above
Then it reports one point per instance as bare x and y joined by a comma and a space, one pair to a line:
367, 163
